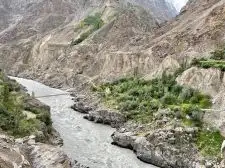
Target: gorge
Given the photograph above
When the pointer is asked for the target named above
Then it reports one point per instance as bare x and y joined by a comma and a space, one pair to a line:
153, 70
86, 142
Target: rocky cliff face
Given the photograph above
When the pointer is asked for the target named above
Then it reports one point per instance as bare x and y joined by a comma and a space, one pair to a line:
162, 10
27, 153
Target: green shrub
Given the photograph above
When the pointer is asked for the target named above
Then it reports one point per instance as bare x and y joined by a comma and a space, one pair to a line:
12, 119
187, 109
82, 37
217, 60
41, 114
140, 98
205, 103
128, 105
197, 117
218, 54
155, 104
168, 99
8, 120
94, 21
124, 97
209, 143
26, 127
5, 93
186, 94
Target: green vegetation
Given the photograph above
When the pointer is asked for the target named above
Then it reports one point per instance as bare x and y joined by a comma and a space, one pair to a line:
209, 143
82, 37
218, 54
12, 106
93, 22
138, 99
217, 60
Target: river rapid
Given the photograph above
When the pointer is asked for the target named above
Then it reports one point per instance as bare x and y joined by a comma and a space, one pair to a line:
84, 141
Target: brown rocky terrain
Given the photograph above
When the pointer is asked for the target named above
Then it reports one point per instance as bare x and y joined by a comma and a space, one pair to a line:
27, 153
49, 32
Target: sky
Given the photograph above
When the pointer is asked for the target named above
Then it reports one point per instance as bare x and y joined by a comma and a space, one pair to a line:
178, 3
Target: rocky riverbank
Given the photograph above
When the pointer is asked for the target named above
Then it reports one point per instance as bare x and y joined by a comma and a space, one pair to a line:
165, 142
27, 138
28, 153
90, 106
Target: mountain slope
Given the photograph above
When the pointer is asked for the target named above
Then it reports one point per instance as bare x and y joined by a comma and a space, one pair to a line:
43, 21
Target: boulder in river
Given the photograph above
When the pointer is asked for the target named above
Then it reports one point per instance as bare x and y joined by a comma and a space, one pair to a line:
106, 116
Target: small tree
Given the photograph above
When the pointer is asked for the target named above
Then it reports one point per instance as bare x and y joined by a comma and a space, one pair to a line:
6, 94
218, 54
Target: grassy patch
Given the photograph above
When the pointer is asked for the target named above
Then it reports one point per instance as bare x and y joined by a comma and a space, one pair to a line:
209, 143
94, 22
12, 105
138, 99
217, 60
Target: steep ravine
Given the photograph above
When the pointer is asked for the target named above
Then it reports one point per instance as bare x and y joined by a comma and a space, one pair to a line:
86, 142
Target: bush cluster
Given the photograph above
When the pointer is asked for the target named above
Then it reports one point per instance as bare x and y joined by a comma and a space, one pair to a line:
217, 60
94, 22
209, 142
12, 119
139, 99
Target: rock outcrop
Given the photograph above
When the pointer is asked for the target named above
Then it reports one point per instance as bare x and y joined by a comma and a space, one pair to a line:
11, 156
106, 116
27, 153
169, 147
96, 112
212, 82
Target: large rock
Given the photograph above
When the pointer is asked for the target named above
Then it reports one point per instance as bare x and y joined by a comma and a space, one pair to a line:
106, 116
167, 147
48, 156
27, 153
212, 82
209, 81
10, 155
81, 107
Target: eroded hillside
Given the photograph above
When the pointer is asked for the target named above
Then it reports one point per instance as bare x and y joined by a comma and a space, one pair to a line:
40, 33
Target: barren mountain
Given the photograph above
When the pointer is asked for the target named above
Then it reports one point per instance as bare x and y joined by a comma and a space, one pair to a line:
26, 23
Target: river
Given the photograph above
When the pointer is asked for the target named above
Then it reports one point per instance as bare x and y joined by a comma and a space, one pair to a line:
84, 141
